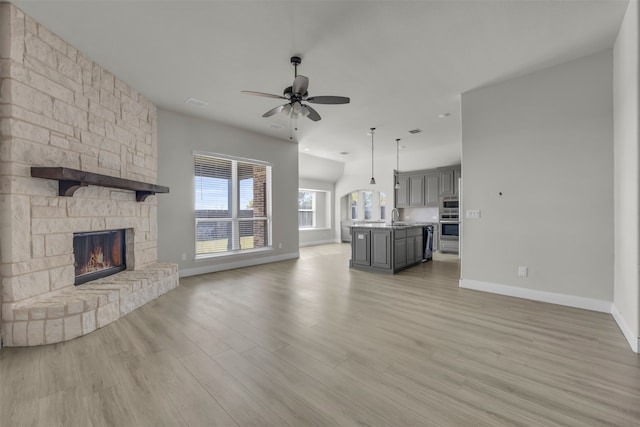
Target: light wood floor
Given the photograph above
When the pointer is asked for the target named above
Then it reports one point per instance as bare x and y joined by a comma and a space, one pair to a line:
310, 342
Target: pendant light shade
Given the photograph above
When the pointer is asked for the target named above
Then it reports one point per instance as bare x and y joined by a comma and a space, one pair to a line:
397, 186
373, 180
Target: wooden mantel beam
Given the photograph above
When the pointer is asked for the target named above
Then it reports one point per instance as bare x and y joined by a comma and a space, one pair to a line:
69, 180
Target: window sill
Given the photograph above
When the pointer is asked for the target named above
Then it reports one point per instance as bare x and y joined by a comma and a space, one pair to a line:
314, 229
203, 257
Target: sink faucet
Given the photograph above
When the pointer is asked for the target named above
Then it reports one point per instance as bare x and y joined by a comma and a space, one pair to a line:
393, 212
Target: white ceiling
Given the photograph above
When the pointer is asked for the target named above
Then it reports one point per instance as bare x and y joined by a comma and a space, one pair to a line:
401, 62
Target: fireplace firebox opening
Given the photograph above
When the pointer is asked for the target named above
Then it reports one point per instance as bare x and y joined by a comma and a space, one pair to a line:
98, 254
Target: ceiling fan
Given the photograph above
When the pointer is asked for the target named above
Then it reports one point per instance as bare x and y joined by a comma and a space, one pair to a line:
296, 94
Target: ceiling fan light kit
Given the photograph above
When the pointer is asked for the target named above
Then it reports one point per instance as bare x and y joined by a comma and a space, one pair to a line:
296, 94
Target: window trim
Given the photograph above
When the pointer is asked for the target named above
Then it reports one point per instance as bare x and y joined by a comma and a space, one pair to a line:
327, 214
235, 207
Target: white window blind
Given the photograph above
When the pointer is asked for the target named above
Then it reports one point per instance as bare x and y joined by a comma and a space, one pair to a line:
232, 205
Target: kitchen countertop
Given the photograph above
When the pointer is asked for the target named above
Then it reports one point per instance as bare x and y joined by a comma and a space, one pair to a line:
385, 225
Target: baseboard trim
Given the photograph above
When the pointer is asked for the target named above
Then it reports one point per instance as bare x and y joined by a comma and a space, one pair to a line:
319, 242
543, 296
633, 341
237, 264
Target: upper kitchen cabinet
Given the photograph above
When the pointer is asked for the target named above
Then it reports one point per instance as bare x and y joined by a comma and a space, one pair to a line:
449, 180
402, 193
431, 189
418, 189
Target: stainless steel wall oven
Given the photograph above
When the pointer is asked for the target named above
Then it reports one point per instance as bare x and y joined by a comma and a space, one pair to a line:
449, 237
449, 224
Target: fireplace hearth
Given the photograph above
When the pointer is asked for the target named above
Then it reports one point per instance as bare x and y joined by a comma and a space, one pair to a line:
98, 254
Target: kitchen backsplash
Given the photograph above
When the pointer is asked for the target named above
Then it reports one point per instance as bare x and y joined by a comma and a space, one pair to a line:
420, 214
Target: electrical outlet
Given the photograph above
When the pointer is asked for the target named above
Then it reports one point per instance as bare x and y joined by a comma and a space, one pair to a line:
279, 245
523, 271
184, 257
473, 213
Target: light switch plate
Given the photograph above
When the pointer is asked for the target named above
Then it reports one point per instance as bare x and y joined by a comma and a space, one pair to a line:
473, 213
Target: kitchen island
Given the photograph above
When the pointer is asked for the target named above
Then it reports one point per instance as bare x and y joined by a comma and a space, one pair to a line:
384, 248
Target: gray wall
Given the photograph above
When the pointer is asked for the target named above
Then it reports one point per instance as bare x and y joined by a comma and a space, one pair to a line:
316, 237
319, 169
545, 141
178, 137
627, 176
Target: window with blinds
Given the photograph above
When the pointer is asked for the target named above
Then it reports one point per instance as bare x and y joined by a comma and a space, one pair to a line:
306, 209
232, 205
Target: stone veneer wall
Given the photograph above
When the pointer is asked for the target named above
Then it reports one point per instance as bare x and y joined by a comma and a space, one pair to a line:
59, 108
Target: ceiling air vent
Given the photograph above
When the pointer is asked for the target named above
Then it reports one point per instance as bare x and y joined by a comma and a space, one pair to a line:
196, 102
414, 131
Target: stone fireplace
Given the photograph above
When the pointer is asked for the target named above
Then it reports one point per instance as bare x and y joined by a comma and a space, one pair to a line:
59, 109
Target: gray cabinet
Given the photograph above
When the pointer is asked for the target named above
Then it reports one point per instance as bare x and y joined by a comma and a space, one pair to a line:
424, 188
402, 193
400, 251
407, 245
431, 189
449, 180
418, 244
416, 190
385, 249
381, 248
411, 250
412, 190
446, 182
361, 246
414, 245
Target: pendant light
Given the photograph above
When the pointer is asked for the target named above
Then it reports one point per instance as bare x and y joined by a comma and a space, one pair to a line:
373, 180
397, 187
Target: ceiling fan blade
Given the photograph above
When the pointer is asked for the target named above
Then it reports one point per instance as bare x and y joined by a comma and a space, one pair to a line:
300, 85
266, 95
273, 111
328, 100
313, 114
